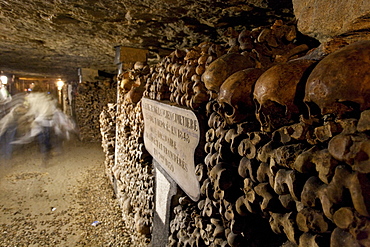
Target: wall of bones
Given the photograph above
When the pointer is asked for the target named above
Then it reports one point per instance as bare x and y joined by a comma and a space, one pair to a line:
286, 145
89, 99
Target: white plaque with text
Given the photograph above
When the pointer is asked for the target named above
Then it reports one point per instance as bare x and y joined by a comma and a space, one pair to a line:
171, 135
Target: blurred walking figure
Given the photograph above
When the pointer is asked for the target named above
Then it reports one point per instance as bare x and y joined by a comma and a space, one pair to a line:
8, 129
42, 107
38, 118
5, 98
7, 135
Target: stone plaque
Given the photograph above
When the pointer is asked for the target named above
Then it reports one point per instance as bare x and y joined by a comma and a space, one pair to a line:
162, 190
171, 135
165, 189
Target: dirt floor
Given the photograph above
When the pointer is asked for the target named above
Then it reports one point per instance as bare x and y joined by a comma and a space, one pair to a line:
66, 202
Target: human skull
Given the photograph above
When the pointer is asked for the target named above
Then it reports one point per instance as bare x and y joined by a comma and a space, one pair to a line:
279, 92
340, 83
136, 92
236, 95
224, 66
245, 40
126, 81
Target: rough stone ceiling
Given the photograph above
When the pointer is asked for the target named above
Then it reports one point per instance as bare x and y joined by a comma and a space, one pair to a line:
54, 38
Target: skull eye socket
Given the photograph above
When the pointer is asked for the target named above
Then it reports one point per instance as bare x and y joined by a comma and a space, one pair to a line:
313, 109
274, 109
343, 109
228, 109
273, 115
350, 110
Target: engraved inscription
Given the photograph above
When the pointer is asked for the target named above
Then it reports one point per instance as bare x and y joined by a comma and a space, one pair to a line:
171, 135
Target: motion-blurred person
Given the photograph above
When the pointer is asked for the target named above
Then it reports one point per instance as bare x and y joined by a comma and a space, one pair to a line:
4, 94
5, 98
62, 128
6, 135
46, 123
40, 108
8, 128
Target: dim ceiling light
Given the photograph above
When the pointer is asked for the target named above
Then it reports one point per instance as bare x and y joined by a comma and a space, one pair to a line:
4, 79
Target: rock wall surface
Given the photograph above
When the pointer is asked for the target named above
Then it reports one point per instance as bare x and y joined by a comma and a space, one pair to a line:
54, 38
324, 20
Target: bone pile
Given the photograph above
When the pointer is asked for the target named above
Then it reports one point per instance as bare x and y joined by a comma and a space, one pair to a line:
182, 76
107, 121
297, 170
132, 175
286, 148
89, 100
294, 183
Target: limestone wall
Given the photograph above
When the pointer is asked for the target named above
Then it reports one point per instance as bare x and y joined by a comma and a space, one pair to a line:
324, 20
